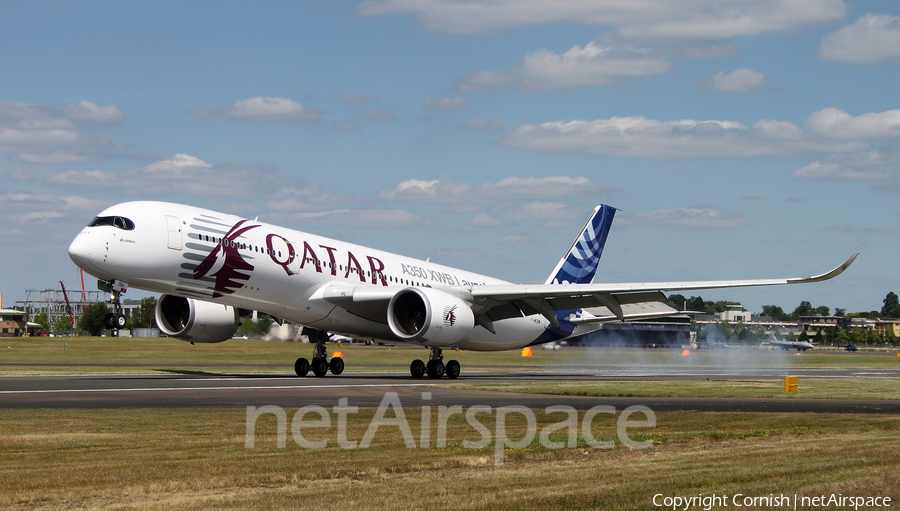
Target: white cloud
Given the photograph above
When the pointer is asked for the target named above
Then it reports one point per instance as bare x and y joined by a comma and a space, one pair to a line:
672, 19
502, 200
37, 134
180, 175
445, 103
696, 217
865, 166
594, 64
27, 207
357, 99
448, 190
872, 39
837, 124
378, 115
485, 125
85, 111
358, 218
739, 80
262, 109
647, 138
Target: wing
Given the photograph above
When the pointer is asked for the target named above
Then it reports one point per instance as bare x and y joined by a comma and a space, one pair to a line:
506, 301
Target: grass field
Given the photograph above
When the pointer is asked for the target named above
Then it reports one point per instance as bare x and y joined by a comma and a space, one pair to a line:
77, 355
196, 459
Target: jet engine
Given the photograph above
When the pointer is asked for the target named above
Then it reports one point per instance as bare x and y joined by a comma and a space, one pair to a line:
430, 317
193, 321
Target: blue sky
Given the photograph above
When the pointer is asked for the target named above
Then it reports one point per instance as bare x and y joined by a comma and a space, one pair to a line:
740, 139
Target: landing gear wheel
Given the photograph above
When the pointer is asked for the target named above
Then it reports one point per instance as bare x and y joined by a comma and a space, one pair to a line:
119, 321
108, 320
336, 365
452, 369
301, 367
319, 367
435, 369
417, 369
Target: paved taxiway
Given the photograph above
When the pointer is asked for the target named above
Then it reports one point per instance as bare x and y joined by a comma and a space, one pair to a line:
208, 389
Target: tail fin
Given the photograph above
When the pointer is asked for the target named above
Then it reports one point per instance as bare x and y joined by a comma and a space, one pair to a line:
580, 263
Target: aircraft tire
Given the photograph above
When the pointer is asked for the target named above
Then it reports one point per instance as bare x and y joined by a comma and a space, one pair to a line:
320, 367
452, 369
301, 367
119, 321
336, 365
109, 320
435, 369
417, 369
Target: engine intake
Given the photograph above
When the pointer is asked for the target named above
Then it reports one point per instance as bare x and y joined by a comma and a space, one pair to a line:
430, 317
192, 320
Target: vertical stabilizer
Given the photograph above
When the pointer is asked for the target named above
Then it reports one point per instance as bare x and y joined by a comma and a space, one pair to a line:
580, 263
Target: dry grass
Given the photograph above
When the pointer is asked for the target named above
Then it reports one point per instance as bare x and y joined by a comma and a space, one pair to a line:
817, 388
195, 459
46, 355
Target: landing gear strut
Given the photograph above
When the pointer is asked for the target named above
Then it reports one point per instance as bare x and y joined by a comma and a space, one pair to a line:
115, 319
435, 367
320, 364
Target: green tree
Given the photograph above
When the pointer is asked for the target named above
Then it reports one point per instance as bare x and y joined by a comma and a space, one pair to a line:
144, 316
676, 301
91, 320
775, 312
822, 310
840, 312
890, 337
891, 307
63, 325
43, 320
804, 309
841, 338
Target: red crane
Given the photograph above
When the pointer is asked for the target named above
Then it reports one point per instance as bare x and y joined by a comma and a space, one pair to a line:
68, 305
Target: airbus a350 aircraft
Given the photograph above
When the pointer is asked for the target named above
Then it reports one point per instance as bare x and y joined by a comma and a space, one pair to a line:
211, 267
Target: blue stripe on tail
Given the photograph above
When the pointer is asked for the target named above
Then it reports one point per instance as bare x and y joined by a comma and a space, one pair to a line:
580, 264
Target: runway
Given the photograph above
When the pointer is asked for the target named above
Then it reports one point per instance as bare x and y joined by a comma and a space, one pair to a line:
208, 389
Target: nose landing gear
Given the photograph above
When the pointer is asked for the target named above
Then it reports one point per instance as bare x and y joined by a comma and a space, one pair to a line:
115, 320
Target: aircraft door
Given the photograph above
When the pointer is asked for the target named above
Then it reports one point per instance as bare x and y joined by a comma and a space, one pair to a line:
174, 227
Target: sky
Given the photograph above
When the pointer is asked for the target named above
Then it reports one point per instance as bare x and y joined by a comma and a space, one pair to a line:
739, 139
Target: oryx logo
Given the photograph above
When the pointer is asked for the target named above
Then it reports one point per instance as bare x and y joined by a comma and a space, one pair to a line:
230, 276
449, 315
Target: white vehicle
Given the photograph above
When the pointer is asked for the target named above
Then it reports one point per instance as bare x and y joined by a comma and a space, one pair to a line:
211, 266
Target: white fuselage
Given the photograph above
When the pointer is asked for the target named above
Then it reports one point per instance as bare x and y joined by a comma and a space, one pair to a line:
205, 255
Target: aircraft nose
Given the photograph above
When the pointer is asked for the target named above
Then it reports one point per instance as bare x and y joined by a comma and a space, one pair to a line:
80, 251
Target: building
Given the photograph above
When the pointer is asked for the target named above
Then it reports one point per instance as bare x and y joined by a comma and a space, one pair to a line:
13, 324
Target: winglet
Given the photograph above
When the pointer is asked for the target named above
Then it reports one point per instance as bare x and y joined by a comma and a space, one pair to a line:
825, 276
579, 265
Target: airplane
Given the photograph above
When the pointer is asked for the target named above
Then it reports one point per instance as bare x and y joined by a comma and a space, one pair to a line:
788, 345
212, 268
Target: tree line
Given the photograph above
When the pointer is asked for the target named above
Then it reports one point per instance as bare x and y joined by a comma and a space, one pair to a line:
890, 310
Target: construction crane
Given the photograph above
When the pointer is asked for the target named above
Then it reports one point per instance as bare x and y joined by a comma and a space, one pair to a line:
68, 305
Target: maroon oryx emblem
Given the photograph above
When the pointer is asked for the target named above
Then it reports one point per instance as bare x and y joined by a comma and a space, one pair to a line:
449, 315
231, 276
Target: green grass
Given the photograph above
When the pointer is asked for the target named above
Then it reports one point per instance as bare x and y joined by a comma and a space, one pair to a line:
73, 355
195, 459
819, 388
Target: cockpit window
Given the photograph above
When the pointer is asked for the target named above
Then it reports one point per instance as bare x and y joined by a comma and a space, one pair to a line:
116, 221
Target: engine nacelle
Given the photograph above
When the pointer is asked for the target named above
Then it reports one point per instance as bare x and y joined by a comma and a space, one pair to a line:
430, 317
192, 320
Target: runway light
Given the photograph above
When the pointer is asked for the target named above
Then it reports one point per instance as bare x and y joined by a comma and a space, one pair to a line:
526, 352
685, 353
337, 354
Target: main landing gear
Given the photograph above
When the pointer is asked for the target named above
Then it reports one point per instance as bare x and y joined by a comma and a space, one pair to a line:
115, 320
320, 364
435, 368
